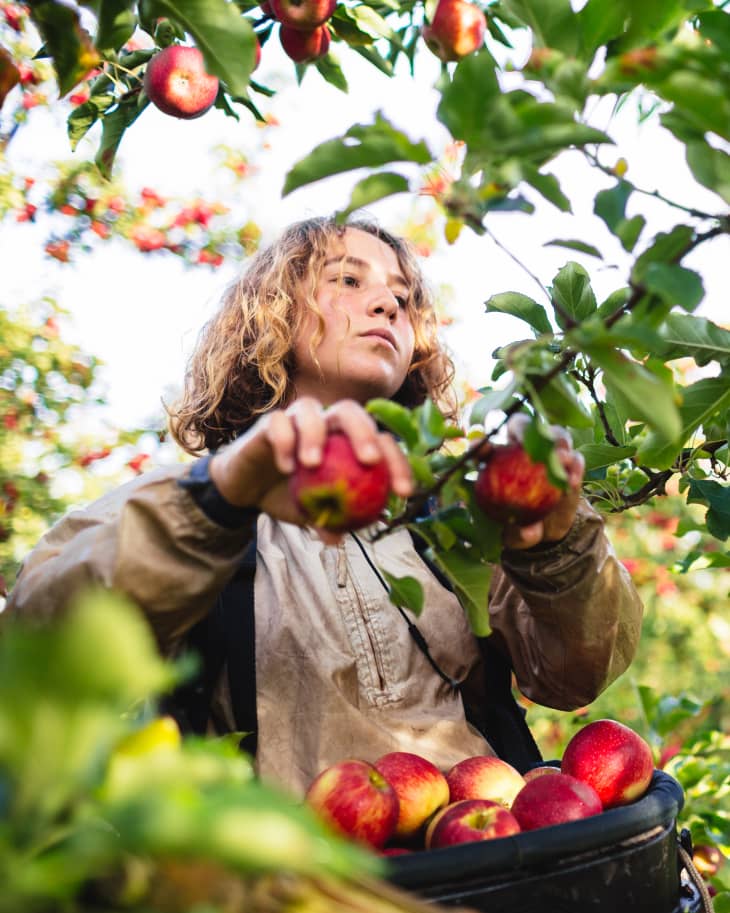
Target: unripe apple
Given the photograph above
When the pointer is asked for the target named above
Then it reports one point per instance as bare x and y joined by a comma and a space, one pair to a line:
420, 786
341, 493
177, 83
612, 758
305, 47
356, 800
554, 799
456, 30
511, 487
303, 14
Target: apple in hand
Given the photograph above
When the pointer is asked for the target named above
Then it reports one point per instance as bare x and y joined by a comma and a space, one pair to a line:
554, 799
341, 493
456, 30
512, 488
470, 820
484, 777
302, 14
420, 786
614, 759
356, 800
305, 47
177, 83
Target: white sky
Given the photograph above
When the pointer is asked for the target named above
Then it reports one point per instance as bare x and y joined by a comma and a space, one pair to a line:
140, 314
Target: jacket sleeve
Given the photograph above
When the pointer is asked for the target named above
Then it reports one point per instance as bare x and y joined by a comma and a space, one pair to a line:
154, 539
568, 614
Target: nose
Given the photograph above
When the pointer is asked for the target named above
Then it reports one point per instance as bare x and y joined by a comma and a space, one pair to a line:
383, 301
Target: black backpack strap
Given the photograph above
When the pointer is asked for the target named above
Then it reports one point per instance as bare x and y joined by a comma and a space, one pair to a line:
497, 715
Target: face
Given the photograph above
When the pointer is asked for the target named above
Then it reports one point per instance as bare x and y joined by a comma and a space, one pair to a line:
368, 339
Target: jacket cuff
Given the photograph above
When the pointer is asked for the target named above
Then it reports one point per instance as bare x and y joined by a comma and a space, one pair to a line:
203, 491
546, 552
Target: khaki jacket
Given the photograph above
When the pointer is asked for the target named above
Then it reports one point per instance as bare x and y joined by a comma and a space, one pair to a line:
568, 615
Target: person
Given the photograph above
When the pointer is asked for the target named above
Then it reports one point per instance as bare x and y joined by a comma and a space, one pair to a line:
324, 319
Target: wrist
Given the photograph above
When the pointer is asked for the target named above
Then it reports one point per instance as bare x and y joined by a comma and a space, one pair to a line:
201, 486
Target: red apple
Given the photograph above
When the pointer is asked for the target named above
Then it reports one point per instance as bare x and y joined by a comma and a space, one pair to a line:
484, 777
540, 771
341, 493
612, 758
305, 47
545, 801
420, 786
511, 487
356, 800
456, 30
469, 820
302, 14
176, 82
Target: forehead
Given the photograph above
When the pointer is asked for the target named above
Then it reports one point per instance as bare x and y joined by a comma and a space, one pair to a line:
361, 245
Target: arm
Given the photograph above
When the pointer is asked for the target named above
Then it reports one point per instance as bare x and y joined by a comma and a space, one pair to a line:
568, 614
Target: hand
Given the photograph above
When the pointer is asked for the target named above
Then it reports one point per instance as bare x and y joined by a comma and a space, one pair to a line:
555, 525
253, 471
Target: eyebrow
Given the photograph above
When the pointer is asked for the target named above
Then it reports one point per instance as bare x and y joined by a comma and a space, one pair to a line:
364, 265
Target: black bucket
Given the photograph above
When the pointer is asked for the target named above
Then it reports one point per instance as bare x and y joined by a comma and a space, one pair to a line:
625, 860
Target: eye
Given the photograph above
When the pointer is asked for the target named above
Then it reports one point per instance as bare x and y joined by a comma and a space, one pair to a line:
351, 281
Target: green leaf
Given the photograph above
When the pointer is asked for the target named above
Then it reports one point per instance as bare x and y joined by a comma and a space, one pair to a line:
405, 592
548, 186
628, 231
471, 581
572, 295
710, 166
694, 337
703, 101
610, 204
329, 68
668, 247
675, 284
649, 20
600, 21
463, 111
396, 418
225, 37
521, 306
648, 397
431, 424
66, 41
716, 498
715, 25
373, 188
373, 24
374, 57
701, 401
580, 246
561, 405
492, 400
599, 455
116, 23
552, 22
113, 126
361, 147
83, 117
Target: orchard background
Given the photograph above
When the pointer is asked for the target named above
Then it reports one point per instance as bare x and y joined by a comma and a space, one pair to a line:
567, 184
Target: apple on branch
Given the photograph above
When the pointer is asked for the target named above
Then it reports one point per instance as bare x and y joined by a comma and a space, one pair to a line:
512, 488
456, 30
469, 820
612, 758
177, 83
356, 800
302, 14
484, 777
554, 799
341, 493
420, 786
305, 47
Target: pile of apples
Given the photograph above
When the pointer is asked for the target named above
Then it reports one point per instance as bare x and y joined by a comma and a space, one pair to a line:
403, 803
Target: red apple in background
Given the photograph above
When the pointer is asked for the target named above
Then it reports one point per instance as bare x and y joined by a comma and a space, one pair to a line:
554, 799
420, 786
305, 47
341, 493
356, 800
470, 820
614, 759
456, 30
512, 488
540, 771
484, 777
176, 82
302, 14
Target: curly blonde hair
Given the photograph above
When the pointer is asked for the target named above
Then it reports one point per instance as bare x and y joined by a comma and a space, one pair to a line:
243, 363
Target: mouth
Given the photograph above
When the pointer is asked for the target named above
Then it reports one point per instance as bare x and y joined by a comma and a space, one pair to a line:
384, 334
